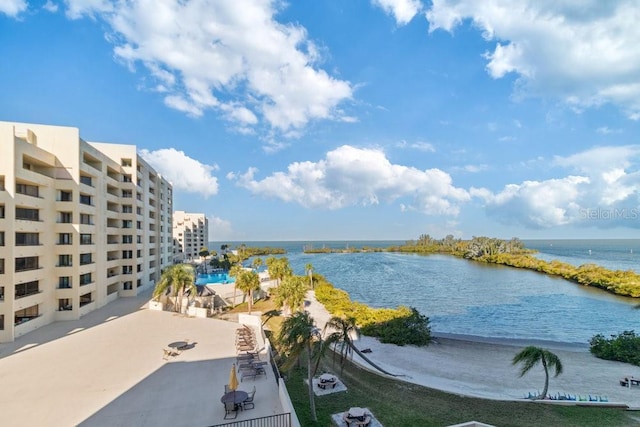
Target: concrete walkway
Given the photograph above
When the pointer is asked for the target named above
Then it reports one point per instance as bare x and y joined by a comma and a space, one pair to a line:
107, 369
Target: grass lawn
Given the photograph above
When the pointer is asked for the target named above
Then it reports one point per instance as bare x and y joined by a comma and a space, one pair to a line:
397, 403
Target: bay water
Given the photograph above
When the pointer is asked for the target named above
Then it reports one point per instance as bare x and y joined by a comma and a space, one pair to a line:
472, 299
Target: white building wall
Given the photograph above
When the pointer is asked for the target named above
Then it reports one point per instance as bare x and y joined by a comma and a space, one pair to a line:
97, 227
190, 234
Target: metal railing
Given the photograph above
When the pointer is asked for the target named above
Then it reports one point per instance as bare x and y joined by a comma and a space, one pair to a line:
279, 420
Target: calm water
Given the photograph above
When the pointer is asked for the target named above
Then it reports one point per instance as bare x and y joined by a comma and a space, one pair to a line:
468, 298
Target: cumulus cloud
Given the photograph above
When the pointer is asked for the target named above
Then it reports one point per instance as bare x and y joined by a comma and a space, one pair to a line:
186, 174
231, 57
13, 8
219, 229
585, 53
350, 176
49, 6
402, 10
605, 193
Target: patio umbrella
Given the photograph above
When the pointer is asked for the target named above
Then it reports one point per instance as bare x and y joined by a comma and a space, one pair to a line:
233, 378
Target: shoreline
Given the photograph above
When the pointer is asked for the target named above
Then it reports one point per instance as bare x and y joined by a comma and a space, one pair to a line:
482, 367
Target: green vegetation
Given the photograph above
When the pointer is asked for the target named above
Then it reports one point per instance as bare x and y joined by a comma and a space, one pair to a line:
531, 356
176, 280
248, 282
402, 325
398, 403
512, 253
624, 347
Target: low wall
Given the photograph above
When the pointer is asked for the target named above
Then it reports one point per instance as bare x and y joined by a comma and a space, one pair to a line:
285, 401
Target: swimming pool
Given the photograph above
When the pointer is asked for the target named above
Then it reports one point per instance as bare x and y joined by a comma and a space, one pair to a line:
214, 278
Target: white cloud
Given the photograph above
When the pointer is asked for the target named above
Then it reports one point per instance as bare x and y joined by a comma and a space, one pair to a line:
402, 10
186, 174
50, 6
604, 130
232, 57
13, 8
585, 53
219, 230
606, 193
350, 176
419, 145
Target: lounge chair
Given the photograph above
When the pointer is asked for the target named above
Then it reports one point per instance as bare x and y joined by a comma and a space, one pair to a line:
230, 408
249, 399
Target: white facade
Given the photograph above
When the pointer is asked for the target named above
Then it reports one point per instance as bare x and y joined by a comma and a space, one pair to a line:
190, 234
81, 224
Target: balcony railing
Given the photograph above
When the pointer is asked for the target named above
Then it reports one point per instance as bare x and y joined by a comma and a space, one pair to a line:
279, 420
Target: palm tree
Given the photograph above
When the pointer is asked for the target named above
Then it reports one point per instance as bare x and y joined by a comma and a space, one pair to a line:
248, 282
234, 272
531, 356
298, 334
343, 329
309, 269
256, 263
278, 268
177, 280
290, 293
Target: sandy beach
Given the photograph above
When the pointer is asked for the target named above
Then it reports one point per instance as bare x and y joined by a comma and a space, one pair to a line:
480, 367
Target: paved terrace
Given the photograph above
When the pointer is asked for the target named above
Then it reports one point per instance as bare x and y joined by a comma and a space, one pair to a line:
107, 369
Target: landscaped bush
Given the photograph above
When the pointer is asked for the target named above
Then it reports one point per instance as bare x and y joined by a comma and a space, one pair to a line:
401, 326
624, 347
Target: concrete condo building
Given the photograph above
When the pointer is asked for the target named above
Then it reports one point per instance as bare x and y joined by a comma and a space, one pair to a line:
81, 224
190, 234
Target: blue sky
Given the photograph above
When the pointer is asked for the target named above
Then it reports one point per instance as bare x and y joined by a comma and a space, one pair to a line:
360, 119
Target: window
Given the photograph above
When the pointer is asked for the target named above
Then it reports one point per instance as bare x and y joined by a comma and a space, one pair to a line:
127, 223
128, 286
1, 211
2, 238
87, 180
27, 214
127, 239
1, 293
65, 217
127, 254
127, 209
65, 196
1, 182
86, 219
127, 269
139, 225
64, 238
85, 279
125, 162
64, 282
26, 314
64, 304
85, 239
1, 322
127, 194
86, 259
27, 239
64, 261
26, 289
85, 199
28, 190
1, 265
26, 263
139, 253
138, 239
85, 299
126, 178
139, 210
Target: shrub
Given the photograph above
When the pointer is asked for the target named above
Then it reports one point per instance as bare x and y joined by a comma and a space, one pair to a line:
624, 347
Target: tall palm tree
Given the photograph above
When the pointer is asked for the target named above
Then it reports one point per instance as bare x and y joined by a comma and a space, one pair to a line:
531, 356
309, 269
248, 282
234, 272
256, 263
298, 334
278, 268
177, 280
343, 329
290, 293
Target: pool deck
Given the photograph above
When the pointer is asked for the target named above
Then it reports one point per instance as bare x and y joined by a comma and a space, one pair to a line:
107, 369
